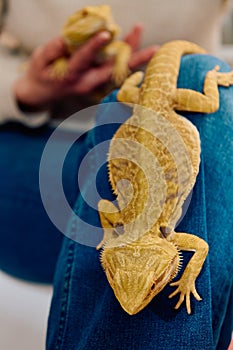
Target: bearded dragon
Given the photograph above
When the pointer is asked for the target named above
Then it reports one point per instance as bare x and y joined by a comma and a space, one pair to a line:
84, 24
153, 163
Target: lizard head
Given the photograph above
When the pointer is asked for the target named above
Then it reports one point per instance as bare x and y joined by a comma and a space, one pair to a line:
138, 271
88, 21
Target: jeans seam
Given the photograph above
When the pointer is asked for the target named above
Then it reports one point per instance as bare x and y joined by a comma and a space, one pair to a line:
65, 298
207, 238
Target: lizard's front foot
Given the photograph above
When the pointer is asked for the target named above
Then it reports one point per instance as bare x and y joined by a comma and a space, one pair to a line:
185, 288
119, 74
223, 78
60, 69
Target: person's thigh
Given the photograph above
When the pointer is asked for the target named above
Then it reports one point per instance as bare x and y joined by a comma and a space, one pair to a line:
84, 313
29, 241
216, 132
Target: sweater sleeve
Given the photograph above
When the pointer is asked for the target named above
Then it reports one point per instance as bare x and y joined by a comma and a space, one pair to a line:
9, 109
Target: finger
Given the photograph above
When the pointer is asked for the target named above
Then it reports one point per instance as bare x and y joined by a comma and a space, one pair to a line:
93, 79
133, 38
142, 57
83, 57
45, 55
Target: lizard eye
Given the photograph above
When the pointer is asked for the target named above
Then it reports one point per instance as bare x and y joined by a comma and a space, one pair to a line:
119, 229
84, 13
165, 231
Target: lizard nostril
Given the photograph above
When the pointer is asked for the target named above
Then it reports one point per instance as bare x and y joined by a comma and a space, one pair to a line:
84, 13
153, 286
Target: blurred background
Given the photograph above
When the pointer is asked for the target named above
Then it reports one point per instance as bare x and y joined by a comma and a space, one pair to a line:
227, 36
24, 307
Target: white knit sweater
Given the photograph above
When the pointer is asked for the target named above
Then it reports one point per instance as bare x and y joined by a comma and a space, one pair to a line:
34, 22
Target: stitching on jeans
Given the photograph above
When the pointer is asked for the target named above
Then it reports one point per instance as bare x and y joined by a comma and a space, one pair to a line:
65, 297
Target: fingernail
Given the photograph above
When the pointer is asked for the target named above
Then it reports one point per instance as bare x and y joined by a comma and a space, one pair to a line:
155, 48
139, 26
104, 35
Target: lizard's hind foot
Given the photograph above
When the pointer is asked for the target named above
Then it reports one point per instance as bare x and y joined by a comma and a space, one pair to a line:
225, 79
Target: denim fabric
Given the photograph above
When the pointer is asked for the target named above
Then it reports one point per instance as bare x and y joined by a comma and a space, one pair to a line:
29, 242
85, 313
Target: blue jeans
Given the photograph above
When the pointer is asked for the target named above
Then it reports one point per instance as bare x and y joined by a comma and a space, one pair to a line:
29, 242
84, 312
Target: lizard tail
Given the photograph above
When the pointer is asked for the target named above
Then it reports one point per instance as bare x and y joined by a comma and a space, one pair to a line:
167, 59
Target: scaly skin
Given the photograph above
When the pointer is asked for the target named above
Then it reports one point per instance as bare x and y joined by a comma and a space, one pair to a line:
153, 164
84, 24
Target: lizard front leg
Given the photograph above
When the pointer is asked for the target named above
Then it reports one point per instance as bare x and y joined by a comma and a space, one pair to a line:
129, 91
121, 52
109, 218
60, 68
186, 284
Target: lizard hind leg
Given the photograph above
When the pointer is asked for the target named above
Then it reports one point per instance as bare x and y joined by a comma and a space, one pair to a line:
129, 92
109, 218
208, 101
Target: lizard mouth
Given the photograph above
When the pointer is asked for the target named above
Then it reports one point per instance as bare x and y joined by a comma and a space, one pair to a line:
137, 273
136, 289
166, 277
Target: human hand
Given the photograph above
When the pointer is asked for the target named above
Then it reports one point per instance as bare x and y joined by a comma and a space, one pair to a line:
38, 89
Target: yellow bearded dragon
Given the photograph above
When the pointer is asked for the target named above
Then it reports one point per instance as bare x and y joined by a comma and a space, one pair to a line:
84, 24
153, 163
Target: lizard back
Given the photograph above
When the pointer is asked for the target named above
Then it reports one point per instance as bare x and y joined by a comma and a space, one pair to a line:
159, 151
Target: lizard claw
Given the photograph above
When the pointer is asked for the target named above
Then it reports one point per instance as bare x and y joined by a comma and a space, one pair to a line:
216, 68
185, 292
